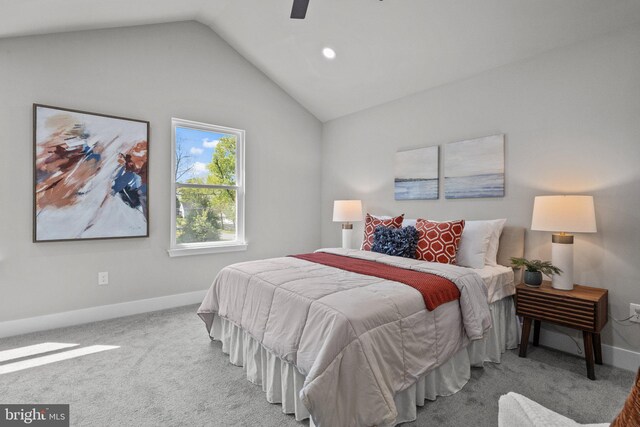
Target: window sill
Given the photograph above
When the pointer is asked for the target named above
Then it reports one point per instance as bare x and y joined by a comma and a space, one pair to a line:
207, 249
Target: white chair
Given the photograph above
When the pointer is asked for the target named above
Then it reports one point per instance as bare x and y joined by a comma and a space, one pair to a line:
516, 410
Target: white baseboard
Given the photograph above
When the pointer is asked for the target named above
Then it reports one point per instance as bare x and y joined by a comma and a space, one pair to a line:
613, 356
94, 314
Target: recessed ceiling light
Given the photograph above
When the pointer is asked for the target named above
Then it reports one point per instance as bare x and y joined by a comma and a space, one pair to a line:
329, 53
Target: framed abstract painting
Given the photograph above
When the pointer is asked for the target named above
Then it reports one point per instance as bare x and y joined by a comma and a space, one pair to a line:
90, 175
474, 168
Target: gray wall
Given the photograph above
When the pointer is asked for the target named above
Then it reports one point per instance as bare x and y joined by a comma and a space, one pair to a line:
152, 73
572, 124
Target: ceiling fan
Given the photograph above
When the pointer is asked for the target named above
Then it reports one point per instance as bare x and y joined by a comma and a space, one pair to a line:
299, 9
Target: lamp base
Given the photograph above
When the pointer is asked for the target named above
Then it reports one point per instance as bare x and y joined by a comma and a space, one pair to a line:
562, 257
347, 235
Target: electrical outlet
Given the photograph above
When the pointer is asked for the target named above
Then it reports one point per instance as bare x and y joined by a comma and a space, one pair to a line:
103, 278
634, 310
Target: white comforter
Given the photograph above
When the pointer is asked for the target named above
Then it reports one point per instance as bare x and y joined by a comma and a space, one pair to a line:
357, 339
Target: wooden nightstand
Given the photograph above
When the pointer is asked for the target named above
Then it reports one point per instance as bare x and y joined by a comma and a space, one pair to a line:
583, 308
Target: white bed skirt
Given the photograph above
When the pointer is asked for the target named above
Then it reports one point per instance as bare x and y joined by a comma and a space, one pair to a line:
282, 382
503, 336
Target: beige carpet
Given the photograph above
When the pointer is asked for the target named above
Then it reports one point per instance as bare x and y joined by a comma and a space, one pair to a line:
168, 373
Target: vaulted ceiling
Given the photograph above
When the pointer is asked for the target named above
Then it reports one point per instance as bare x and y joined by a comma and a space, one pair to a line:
385, 50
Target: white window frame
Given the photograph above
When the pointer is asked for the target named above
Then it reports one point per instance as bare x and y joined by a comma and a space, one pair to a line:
240, 244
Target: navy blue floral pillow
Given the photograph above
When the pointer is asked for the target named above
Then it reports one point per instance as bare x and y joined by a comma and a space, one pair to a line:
395, 241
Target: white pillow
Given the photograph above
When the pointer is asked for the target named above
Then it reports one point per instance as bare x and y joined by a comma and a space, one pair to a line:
474, 243
492, 252
409, 222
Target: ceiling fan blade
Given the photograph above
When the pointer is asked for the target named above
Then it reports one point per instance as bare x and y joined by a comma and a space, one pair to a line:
299, 9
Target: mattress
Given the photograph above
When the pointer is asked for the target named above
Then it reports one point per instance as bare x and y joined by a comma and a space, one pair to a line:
499, 281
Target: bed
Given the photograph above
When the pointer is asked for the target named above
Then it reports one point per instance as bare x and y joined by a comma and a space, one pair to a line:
291, 324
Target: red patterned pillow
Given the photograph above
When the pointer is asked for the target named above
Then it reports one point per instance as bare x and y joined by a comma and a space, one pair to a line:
370, 225
438, 241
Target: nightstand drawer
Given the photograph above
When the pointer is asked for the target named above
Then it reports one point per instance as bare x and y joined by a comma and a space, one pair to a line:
557, 309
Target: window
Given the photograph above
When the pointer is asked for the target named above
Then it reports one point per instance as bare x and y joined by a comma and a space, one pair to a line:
207, 208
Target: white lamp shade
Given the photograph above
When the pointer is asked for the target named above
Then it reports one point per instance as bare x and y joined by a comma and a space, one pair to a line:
572, 214
347, 210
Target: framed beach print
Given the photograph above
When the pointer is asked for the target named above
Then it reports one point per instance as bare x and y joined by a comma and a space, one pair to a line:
90, 175
416, 174
474, 168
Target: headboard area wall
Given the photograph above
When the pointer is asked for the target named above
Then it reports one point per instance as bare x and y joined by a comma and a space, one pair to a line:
511, 245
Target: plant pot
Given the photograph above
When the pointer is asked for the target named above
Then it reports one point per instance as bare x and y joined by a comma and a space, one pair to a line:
532, 278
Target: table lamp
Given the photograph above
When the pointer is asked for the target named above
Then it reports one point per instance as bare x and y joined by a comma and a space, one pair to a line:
562, 215
347, 211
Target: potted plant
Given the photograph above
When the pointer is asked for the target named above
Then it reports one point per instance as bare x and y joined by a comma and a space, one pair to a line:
534, 270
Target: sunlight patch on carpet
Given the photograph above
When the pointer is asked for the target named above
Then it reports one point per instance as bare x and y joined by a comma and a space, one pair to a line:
31, 350
52, 358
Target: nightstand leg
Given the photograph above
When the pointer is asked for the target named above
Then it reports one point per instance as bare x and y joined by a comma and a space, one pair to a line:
597, 348
536, 332
588, 354
524, 341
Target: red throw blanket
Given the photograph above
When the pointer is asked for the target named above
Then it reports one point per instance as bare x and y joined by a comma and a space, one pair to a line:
435, 290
